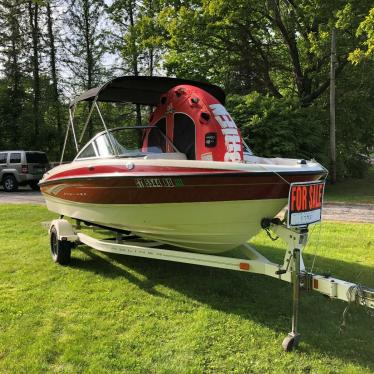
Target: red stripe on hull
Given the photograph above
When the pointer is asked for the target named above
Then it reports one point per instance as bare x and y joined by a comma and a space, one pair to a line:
157, 190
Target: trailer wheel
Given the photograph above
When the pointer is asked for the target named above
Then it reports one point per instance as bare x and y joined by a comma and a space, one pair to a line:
290, 342
60, 250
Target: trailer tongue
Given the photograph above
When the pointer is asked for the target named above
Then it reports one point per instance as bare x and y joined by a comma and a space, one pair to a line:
304, 208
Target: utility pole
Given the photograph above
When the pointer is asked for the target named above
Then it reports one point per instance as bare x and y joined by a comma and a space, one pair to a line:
332, 107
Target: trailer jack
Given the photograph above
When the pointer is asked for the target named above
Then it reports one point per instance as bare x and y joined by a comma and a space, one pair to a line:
334, 288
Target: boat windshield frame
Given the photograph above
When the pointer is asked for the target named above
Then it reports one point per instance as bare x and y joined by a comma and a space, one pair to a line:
78, 141
114, 148
246, 148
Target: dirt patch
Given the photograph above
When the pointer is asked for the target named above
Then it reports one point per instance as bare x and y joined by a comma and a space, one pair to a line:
348, 212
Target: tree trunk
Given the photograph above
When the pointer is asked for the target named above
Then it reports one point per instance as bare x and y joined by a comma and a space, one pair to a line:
134, 57
11, 41
34, 26
89, 58
16, 87
332, 108
151, 58
291, 43
56, 101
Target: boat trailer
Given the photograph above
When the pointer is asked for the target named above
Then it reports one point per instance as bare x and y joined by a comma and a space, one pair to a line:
64, 236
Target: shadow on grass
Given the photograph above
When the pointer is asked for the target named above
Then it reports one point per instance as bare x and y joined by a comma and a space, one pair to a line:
255, 297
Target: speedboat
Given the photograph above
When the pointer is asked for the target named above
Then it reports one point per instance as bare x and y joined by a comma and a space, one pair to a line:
186, 178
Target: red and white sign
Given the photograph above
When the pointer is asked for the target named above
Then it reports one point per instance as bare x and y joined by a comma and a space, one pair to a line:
233, 140
305, 203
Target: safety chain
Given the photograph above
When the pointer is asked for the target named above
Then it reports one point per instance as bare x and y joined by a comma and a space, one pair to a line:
355, 294
273, 238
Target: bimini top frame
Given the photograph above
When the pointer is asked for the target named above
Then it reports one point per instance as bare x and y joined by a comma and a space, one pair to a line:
129, 89
142, 90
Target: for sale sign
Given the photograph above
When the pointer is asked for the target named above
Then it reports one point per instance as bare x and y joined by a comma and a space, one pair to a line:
305, 203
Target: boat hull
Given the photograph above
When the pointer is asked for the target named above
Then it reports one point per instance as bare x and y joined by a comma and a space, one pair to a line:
209, 207
205, 227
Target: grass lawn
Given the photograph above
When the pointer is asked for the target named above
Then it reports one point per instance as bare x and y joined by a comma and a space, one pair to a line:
111, 313
352, 190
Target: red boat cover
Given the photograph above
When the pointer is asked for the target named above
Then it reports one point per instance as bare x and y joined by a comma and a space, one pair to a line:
198, 125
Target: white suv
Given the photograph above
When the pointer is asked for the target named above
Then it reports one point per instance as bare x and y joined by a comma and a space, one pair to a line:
19, 168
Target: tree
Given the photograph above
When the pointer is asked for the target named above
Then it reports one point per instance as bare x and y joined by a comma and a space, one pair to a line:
54, 72
84, 45
33, 13
136, 37
123, 14
12, 58
280, 47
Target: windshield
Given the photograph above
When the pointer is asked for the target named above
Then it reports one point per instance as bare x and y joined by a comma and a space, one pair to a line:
246, 149
128, 142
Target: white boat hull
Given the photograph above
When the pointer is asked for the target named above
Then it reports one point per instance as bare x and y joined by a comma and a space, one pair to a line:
205, 227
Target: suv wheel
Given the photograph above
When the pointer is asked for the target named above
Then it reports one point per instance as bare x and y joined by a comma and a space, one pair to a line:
10, 183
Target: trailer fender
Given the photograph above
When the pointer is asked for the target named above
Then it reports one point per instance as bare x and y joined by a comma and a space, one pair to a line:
65, 230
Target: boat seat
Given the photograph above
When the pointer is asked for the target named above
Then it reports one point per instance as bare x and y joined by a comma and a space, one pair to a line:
166, 156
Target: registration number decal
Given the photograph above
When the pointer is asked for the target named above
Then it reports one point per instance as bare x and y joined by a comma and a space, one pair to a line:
158, 182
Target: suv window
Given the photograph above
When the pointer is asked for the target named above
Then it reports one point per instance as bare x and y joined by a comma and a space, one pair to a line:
15, 158
3, 157
36, 158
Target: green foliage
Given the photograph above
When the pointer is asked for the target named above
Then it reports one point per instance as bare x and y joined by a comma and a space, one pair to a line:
280, 127
354, 116
271, 57
356, 165
85, 43
16, 123
366, 31
137, 35
279, 48
352, 190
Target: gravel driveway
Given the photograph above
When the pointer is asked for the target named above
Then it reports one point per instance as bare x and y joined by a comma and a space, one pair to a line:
22, 196
348, 212
331, 211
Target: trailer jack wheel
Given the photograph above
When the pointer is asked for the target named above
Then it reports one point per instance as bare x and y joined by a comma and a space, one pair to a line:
290, 342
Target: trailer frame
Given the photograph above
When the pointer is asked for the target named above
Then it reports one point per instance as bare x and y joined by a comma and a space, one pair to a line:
245, 258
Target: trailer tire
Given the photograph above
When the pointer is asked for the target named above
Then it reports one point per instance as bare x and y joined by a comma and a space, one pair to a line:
60, 250
290, 343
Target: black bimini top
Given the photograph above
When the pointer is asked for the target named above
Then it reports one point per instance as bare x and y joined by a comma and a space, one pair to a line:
142, 90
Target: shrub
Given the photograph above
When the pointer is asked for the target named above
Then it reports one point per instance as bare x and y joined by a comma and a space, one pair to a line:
280, 128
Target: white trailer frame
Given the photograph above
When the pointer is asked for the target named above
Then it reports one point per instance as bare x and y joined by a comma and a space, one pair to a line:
244, 258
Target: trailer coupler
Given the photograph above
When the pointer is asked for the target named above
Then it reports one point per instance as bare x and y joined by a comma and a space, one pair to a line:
338, 289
